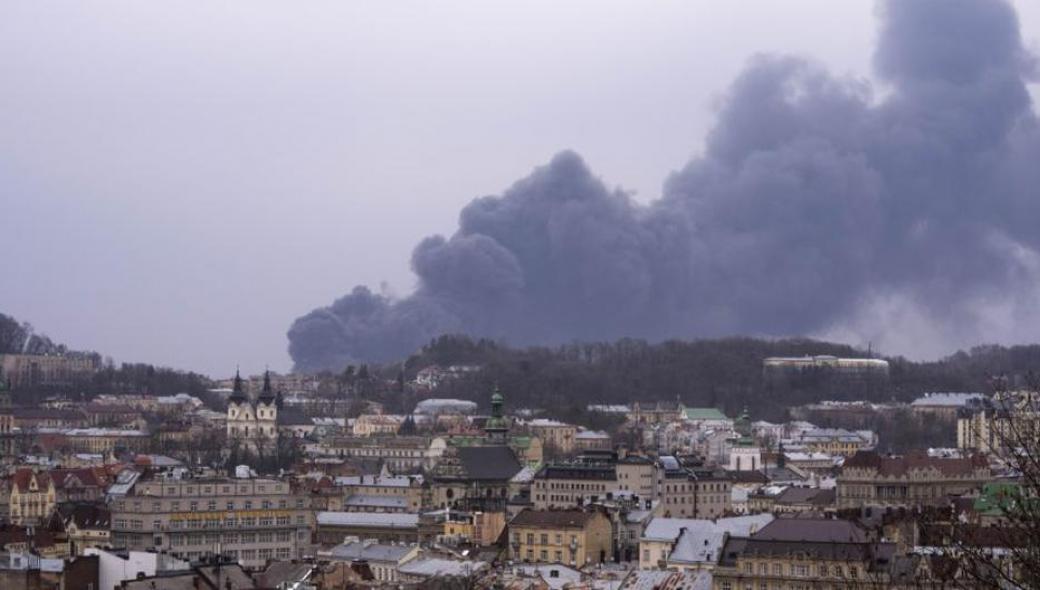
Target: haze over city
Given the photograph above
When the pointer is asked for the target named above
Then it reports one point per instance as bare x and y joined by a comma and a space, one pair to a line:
179, 184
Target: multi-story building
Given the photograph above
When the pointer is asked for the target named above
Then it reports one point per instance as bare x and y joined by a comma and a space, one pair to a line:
837, 441
993, 425
689, 490
556, 435
594, 476
804, 553
943, 406
105, 440
31, 496
573, 537
406, 492
571, 485
655, 412
32, 370
111, 415
36, 418
637, 475
377, 424
401, 454
250, 520
870, 479
589, 440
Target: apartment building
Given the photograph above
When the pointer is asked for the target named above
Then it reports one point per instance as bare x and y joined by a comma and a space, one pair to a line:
32, 370
400, 453
688, 490
31, 496
556, 435
914, 479
251, 520
595, 475
572, 537
571, 485
402, 493
804, 553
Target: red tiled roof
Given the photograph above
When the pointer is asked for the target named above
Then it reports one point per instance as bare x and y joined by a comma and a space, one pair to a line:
23, 476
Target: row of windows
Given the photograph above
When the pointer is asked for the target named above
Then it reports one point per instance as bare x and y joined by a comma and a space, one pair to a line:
226, 489
212, 505
281, 553
803, 570
232, 538
211, 523
543, 539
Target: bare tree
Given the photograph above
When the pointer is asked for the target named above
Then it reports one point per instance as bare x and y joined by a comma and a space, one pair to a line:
998, 547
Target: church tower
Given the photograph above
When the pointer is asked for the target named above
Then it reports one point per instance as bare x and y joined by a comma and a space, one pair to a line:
267, 409
497, 426
239, 411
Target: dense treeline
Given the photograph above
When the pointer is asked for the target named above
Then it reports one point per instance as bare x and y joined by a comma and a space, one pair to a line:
725, 373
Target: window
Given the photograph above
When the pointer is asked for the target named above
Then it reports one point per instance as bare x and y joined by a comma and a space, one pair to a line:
156, 525
530, 538
249, 504
212, 505
176, 505
545, 538
231, 505
194, 507
544, 555
265, 537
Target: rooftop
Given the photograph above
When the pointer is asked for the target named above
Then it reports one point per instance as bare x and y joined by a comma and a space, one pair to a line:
368, 519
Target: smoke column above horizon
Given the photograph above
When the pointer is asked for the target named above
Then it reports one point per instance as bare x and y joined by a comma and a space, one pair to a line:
816, 208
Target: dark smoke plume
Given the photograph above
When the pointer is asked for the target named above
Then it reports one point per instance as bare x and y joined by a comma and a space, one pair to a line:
816, 208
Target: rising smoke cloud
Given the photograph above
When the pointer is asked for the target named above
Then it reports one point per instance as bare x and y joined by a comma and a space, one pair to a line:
816, 208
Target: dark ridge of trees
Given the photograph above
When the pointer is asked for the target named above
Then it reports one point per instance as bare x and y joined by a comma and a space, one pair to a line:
725, 373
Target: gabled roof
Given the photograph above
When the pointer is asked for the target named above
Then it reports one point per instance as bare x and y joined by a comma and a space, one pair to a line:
22, 478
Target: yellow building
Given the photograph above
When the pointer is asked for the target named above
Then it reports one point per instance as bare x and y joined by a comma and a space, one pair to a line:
571, 537
556, 435
31, 496
375, 424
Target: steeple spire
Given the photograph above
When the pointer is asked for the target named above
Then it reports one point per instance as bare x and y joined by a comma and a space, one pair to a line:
266, 395
237, 394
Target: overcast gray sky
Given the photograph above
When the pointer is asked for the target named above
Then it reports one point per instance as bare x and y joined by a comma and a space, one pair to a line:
179, 181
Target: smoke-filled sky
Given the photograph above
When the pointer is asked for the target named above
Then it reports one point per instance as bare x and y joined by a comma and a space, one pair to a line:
178, 183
